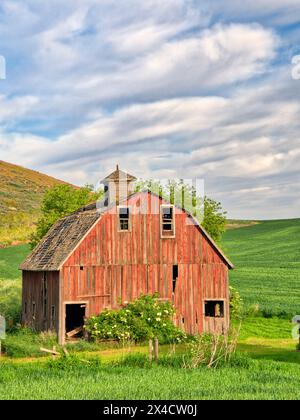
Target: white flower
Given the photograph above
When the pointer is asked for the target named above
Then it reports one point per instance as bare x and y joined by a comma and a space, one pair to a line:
164, 325
158, 319
149, 319
158, 313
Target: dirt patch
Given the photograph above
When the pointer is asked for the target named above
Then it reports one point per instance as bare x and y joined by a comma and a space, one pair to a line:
242, 224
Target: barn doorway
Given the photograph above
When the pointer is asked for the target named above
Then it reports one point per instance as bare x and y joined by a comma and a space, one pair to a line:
75, 315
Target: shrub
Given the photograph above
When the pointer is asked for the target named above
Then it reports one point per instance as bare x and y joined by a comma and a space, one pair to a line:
10, 301
145, 318
212, 350
236, 303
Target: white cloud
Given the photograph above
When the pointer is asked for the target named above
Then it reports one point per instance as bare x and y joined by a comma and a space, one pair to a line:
173, 88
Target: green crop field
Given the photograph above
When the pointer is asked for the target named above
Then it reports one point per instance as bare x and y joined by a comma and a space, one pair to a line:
267, 260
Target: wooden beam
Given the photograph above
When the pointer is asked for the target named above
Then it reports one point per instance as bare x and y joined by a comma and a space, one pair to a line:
53, 352
74, 332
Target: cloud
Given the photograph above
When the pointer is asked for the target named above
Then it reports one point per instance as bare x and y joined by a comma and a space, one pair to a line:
240, 146
179, 88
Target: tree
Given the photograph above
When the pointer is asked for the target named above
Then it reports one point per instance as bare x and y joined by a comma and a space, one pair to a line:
207, 211
58, 202
214, 221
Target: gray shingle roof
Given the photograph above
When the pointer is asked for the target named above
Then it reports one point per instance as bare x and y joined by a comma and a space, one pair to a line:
60, 241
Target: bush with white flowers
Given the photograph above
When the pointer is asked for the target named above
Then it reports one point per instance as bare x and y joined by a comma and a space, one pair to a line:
142, 319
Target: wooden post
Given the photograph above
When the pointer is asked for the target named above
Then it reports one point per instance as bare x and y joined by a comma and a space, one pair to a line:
150, 350
156, 349
54, 351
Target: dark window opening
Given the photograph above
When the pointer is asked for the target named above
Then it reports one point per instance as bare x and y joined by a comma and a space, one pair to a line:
182, 319
25, 308
75, 315
175, 276
53, 317
214, 308
196, 317
81, 268
167, 221
105, 188
123, 218
45, 295
33, 309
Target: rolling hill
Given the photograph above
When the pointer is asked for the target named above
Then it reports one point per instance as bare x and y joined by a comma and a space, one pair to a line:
267, 260
21, 192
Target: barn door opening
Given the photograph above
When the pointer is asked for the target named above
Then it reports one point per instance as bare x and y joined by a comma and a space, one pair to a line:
75, 315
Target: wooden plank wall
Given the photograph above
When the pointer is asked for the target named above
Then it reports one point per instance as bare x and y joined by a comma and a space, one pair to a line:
110, 267
33, 291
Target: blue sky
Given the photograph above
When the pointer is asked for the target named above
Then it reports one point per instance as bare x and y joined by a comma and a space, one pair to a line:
179, 88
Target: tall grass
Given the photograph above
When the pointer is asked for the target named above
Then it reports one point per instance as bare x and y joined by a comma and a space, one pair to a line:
80, 380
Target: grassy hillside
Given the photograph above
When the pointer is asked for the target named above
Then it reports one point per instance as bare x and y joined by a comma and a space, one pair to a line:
267, 259
21, 192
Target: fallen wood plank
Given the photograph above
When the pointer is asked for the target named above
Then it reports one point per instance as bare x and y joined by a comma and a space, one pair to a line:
74, 332
65, 351
49, 351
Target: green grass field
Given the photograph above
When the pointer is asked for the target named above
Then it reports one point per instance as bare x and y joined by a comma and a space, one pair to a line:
258, 380
266, 367
267, 260
10, 260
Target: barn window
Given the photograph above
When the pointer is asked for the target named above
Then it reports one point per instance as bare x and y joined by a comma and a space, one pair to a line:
175, 276
167, 221
124, 218
214, 308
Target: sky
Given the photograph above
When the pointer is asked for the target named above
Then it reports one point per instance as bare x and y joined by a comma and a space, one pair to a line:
187, 89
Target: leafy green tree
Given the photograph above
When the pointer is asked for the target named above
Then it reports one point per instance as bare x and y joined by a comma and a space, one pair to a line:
207, 211
58, 202
214, 221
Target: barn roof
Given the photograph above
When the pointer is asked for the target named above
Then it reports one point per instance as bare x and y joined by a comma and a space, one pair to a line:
60, 241
66, 234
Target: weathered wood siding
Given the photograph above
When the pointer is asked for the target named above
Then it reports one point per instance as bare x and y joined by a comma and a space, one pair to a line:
109, 267
40, 300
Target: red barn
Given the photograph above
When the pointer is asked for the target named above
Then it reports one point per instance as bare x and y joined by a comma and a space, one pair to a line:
105, 255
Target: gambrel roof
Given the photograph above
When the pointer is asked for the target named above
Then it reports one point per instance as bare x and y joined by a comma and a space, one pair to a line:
67, 233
